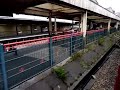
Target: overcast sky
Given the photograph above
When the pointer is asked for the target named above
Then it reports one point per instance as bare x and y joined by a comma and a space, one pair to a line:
115, 4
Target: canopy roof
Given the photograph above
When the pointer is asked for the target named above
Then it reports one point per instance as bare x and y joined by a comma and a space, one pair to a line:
65, 9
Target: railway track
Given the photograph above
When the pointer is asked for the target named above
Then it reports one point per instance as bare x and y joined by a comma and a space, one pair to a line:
88, 79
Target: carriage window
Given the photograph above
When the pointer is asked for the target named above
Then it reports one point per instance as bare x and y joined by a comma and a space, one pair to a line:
23, 29
7, 30
36, 29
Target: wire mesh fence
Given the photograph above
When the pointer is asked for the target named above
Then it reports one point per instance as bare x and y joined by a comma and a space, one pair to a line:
112, 30
61, 48
95, 35
65, 45
1, 78
28, 62
26, 59
31, 59
77, 43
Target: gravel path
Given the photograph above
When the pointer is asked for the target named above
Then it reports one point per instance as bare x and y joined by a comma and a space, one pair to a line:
107, 74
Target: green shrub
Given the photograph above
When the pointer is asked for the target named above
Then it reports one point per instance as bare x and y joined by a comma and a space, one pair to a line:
86, 65
101, 41
94, 60
76, 56
83, 64
60, 72
90, 47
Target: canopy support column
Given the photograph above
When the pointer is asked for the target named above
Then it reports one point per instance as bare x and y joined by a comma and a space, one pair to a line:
50, 24
16, 29
79, 25
55, 26
84, 26
116, 26
109, 25
72, 23
84, 23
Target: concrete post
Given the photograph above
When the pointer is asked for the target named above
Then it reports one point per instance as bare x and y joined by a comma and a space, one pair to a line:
16, 29
101, 26
79, 25
116, 26
55, 26
109, 23
50, 24
31, 28
84, 23
84, 26
91, 25
72, 23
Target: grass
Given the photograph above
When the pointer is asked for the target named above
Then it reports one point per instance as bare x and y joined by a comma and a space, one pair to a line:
94, 59
83, 64
76, 56
101, 41
91, 47
60, 72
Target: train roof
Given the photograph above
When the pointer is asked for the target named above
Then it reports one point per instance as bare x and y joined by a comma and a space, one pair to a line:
30, 19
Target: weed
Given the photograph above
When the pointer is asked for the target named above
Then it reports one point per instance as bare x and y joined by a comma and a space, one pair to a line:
101, 41
91, 46
83, 64
85, 50
60, 72
76, 56
93, 61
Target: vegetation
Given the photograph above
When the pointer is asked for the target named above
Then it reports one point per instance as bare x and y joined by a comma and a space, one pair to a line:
76, 56
60, 72
91, 47
87, 65
84, 64
101, 41
94, 60
85, 50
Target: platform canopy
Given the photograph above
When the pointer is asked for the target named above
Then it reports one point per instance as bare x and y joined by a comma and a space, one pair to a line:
56, 8
8, 7
37, 7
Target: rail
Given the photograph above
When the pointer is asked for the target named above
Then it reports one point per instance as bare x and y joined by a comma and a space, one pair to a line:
86, 79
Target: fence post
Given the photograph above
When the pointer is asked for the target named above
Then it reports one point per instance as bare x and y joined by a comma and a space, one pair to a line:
4, 73
51, 50
86, 39
71, 41
93, 34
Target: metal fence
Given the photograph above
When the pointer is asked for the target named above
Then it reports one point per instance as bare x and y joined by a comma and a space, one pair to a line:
23, 60
61, 47
95, 35
29, 61
112, 30
66, 45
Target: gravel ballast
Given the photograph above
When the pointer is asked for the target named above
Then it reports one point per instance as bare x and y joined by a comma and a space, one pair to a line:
105, 77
